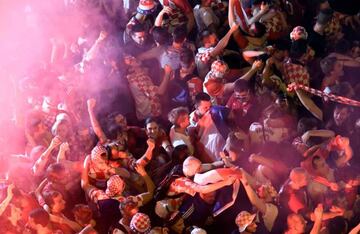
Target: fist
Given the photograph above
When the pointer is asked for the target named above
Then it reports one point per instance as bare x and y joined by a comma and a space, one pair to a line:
64, 147
167, 69
91, 103
140, 170
55, 141
257, 65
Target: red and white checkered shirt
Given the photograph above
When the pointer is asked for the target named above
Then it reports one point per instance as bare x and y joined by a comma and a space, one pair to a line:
182, 185
274, 24
296, 73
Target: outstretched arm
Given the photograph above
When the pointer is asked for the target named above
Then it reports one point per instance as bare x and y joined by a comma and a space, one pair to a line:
145, 159
253, 197
91, 103
146, 197
5, 203
39, 166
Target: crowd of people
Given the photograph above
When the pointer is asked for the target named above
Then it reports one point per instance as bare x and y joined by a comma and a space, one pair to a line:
189, 116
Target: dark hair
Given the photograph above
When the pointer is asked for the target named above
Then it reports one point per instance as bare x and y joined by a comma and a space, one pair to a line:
49, 197
179, 34
137, 28
241, 85
260, 29
337, 225
258, 2
327, 65
160, 35
187, 56
202, 97
40, 216
343, 46
205, 33
235, 144
179, 154
54, 171
150, 120
112, 130
282, 44
298, 48
306, 124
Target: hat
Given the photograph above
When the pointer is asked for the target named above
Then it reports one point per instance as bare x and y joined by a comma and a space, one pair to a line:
298, 32
191, 166
115, 186
244, 219
97, 152
219, 68
198, 231
146, 7
140, 222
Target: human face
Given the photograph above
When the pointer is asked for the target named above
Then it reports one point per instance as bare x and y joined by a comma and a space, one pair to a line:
210, 40
338, 69
252, 227
184, 121
62, 130
243, 97
59, 204
139, 37
203, 107
298, 224
341, 115
152, 130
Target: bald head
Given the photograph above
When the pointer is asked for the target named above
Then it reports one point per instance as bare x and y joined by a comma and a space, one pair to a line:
299, 177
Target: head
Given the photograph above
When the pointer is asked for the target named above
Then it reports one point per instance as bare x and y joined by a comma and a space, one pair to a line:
208, 39
35, 125
146, 7
56, 173
281, 102
140, 223
179, 117
187, 61
38, 219
62, 129
296, 223
219, 69
320, 166
99, 157
242, 91
160, 36
338, 225
299, 177
179, 37
331, 67
257, 30
202, 103
82, 214
128, 208
152, 128
191, 166
235, 144
115, 186
281, 49
179, 154
341, 114
298, 49
298, 33
305, 124
138, 34
55, 201
246, 222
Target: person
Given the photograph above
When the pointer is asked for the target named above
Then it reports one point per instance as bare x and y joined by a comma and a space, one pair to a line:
39, 222
245, 222
205, 17
139, 40
179, 117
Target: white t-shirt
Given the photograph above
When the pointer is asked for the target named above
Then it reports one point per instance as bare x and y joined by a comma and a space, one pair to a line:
176, 137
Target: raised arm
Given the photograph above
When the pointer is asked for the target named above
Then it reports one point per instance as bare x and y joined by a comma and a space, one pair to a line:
64, 147
254, 199
318, 213
168, 73
224, 41
39, 166
150, 186
91, 103
264, 8
84, 174
5, 203
94, 50
145, 159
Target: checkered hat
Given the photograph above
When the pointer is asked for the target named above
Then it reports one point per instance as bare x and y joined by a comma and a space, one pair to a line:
244, 219
219, 68
140, 222
190, 166
115, 186
97, 152
298, 32
146, 7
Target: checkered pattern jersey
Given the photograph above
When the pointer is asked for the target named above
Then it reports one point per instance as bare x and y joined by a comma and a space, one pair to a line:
274, 24
296, 73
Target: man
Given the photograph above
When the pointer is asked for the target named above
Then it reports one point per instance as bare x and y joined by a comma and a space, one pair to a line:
205, 17
175, 13
39, 222
140, 40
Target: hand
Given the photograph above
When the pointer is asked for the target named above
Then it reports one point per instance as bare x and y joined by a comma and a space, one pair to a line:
55, 142
140, 170
253, 158
264, 7
168, 70
334, 187
318, 212
257, 65
337, 210
166, 10
150, 143
102, 36
64, 147
234, 27
91, 103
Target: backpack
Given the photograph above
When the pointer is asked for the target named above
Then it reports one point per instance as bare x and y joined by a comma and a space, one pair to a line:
161, 191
